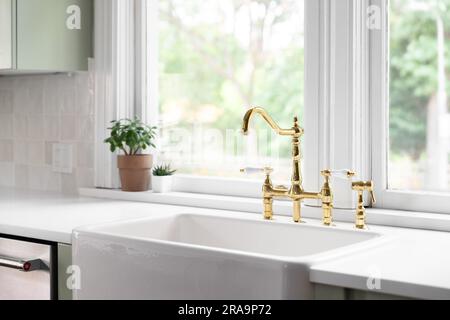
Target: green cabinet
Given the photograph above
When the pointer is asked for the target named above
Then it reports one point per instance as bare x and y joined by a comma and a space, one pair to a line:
6, 39
45, 35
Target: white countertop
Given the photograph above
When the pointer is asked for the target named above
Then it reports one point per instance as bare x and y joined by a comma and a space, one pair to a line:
53, 217
414, 263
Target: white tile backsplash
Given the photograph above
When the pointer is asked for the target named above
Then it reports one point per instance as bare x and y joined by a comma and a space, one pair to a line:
20, 151
52, 127
37, 112
36, 153
51, 100
20, 126
6, 126
37, 178
86, 127
35, 127
85, 177
6, 151
85, 155
69, 128
21, 176
69, 183
6, 174
6, 102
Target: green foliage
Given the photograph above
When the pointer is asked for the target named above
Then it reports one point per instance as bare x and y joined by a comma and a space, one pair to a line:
414, 72
163, 170
131, 136
202, 64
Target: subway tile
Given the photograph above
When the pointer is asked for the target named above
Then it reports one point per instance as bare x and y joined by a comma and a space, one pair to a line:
36, 96
35, 113
6, 151
6, 102
69, 128
49, 152
20, 126
36, 152
86, 128
52, 180
42, 178
21, 99
6, 174
6, 126
51, 101
37, 178
85, 178
85, 155
52, 127
6, 83
84, 96
35, 127
21, 176
69, 183
20, 152
67, 97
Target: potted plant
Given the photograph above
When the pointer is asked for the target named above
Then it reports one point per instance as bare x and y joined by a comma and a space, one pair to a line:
162, 178
132, 137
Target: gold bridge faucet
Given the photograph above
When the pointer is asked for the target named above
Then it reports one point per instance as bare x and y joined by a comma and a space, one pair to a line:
295, 192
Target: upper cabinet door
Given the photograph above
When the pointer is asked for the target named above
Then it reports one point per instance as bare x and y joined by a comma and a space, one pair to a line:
6, 40
54, 35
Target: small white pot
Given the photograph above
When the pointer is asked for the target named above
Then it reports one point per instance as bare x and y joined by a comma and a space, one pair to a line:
162, 184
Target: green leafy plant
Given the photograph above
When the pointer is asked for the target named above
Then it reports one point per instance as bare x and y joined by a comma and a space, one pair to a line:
163, 171
131, 136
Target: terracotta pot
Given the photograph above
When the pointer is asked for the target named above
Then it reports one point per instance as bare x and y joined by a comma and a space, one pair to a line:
135, 172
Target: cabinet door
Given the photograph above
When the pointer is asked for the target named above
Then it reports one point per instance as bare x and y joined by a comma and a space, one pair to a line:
54, 35
35, 284
6, 53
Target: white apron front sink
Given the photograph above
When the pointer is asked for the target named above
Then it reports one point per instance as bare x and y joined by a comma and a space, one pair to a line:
192, 256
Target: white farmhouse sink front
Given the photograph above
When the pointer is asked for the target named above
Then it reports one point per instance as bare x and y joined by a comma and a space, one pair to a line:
191, 256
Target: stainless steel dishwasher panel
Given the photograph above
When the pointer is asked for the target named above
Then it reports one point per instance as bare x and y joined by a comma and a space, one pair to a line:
25, 270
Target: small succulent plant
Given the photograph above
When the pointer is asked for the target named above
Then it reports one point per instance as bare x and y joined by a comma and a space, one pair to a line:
163, 170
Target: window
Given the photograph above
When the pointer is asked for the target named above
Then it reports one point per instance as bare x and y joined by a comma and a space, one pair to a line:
371, 75
216, 59
419, 118
410, 80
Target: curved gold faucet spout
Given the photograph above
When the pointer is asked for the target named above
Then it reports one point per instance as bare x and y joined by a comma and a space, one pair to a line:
295, 131
296, 192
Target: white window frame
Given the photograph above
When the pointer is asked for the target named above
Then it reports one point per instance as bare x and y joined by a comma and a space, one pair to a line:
337, 114
114, 65
379, 104
143, 100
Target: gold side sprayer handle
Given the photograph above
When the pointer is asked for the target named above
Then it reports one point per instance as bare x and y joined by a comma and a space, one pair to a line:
360, 187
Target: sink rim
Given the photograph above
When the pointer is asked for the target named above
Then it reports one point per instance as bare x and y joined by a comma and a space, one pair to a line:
101, 230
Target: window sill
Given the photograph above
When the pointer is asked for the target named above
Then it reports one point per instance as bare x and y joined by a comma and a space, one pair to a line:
384, 217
